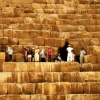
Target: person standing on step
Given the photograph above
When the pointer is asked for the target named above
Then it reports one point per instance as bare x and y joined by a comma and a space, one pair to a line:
10, 53
42, 55
82, 53
49, 54
69, 56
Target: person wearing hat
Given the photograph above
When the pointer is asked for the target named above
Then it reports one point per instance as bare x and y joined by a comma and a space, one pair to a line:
69, 50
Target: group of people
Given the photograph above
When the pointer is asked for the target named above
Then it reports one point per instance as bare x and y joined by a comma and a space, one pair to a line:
71, 55
35, 54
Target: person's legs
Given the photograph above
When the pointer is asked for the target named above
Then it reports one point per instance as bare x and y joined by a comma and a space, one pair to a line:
10, 57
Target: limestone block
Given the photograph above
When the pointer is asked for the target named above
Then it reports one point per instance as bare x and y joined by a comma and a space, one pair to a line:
3, 88
70, 67
56, 67
89, 50
93, 96
2, 4
46, 88
6, 77
96, 67
72, 77
49, 11
96, 50
91, 87
28, 20
38, 6
3, 97
77, 88
87, 67
54, 34
18, 12
36, 26
2, 56
65, 35
3, 40
29, 66
20, 77
22, 66
18, 57
98, 58
8, 11
36, 77
55, 97
46, 33
25, 97
40, 41
75, 96
13, 41
96, 35
29, 88
13, 97
14, 88
25, 41
50, 41
23, 1
53, 77
49, 1
90, 58
56, 28
22, 34
38, 97
90, 28
35, 33
9, 33
83, 21
69, 28
47, 27
26, 26
91, 76
92, 22
9, 66
63, 88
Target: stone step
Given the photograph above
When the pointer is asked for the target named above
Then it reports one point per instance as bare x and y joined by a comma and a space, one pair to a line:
51, 97
39, 67
56, 88
41, 77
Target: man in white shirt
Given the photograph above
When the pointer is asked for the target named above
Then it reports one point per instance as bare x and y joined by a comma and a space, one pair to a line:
82, 53
10, 53
69, 56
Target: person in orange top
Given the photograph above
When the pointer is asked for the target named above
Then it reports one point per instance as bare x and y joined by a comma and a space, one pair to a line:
49, 54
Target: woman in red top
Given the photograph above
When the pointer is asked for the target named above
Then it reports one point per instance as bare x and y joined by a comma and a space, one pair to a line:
49, 53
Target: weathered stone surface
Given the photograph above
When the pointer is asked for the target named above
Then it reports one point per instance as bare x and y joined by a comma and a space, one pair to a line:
22, 2
92, 87
29, 88
87, 67
20, 77
14, 88
36, 77
25, 41
2, 56
69, 67
3, 88
3, 40
9, 33
77, 88
90, 58
40, 41
38, 97
96, 50
53, 77
6, 77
